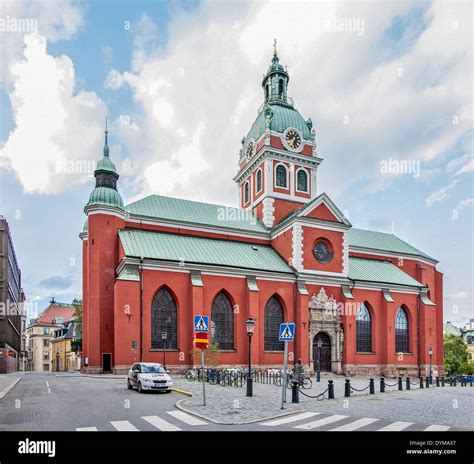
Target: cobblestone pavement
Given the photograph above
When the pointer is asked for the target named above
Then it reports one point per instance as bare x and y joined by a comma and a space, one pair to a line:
449, 406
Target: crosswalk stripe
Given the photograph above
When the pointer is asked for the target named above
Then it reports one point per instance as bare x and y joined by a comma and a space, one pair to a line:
186, 418
86, 429
435, 427
161, 424
321, 422
395, 426
357, 424
124, 426
287, 420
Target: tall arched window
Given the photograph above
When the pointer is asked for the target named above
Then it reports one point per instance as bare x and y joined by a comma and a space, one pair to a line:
163, 319
280, 88
401, 331
363, 330
246, 192
259, 180
222, 322
266, 91
302, 181
273, 319
281, 177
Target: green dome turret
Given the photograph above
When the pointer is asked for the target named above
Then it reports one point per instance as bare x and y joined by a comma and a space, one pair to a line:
105, 192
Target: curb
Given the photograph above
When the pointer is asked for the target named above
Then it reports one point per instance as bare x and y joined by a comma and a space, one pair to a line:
253, 421
8, 388
183, 392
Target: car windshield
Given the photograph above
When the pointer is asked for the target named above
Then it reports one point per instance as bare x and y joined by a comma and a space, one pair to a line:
152, 369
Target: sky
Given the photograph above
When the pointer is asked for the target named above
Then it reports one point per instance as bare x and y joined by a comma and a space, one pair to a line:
388, 86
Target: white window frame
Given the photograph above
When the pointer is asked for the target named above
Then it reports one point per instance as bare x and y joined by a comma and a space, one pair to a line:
307, 180
261, 180
246, 183
287, 176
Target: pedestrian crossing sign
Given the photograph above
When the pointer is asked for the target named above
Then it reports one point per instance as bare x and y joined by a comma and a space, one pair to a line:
287, 332
201, 324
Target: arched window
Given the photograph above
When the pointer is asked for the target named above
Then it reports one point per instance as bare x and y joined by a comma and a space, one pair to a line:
280, 88
302, 181
281, 177
259, 180
246, 192
363, 330
401, 331
273, 319
266, 92
163, 319
222, 322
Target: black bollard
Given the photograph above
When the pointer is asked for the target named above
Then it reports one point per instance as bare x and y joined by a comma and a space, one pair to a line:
427, 382
442, 381
437, 381
295, 392
331, 389
408, 383
450, 382
455, 381
382, 385
347, 388
421, 382
400, 384
372, 387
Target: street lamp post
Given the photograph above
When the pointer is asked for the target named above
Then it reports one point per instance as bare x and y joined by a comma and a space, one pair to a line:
318, 366
430, 351
164, 336
250, 324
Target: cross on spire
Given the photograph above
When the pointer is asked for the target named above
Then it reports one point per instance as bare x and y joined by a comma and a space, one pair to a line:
275, 47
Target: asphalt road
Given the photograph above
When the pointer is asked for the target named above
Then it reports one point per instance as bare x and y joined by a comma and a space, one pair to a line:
49, 402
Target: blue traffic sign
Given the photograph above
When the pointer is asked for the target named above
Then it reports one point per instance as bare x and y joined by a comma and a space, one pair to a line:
287, 332
201, 324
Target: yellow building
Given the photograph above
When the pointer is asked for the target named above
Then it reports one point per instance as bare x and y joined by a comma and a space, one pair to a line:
63, 358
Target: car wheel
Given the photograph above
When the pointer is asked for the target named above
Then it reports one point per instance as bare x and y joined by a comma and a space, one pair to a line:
140, 389
168, 391
129, 385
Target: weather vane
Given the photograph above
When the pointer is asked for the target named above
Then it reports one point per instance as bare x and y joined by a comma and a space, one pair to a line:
275, 47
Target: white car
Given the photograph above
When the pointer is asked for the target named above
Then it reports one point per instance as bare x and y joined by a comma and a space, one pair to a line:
149, 376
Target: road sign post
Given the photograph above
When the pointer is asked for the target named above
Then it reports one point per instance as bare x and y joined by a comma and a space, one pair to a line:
286, 334
203, 379
201, 329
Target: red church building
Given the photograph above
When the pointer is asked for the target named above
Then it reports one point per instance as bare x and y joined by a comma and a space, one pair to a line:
371, 300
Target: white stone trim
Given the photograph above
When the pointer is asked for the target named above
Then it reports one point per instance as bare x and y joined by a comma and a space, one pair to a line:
314, 183
390, 254
311, 223
268, 211
308, 179
259, 169
285, 144
345, 253
297, 257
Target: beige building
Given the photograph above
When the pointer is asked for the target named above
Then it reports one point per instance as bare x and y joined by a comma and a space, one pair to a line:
41, 332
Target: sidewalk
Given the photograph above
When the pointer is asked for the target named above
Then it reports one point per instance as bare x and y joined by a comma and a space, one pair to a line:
7, 382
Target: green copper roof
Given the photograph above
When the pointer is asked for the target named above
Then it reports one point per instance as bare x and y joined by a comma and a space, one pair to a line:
176, 209
105, 196
106, 165
383, 242
197, 250
379, 271
86, 226
284, 116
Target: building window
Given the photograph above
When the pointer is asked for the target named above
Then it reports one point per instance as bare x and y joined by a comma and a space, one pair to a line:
222, 322
273, 319
246, 193
302, 181
46, 330
401, 331
45, 367
363, 330
259, 180
163, 319
266, 92
280, 88
281, 177
45, 341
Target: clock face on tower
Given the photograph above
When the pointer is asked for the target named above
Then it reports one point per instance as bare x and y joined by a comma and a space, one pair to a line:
293, 139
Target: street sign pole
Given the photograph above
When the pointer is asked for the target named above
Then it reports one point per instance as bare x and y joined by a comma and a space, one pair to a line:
283, 391
203, 379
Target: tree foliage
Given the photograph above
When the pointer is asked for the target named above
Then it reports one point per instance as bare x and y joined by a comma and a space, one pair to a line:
211, 355
455, 355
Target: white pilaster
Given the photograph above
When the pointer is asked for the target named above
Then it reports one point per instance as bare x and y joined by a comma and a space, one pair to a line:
268, 212
297, 260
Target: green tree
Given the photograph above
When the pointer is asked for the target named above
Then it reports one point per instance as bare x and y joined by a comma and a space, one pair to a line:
455, 354
76, 345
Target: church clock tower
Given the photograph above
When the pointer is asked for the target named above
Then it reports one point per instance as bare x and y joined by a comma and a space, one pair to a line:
278, 160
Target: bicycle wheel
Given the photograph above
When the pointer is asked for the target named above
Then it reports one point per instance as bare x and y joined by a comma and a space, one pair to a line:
307, 383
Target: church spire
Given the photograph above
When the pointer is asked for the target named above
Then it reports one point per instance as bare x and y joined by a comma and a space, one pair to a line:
106, 144
275, 81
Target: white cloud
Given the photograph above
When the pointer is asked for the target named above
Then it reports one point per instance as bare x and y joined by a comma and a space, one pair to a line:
441, 194
210, 70
468, 167
465, 203
57, 131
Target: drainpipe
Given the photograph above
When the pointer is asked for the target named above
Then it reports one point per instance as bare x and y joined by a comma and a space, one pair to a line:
418, 317
141, 309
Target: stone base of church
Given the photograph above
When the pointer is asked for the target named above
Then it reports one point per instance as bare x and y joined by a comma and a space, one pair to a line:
92, 370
